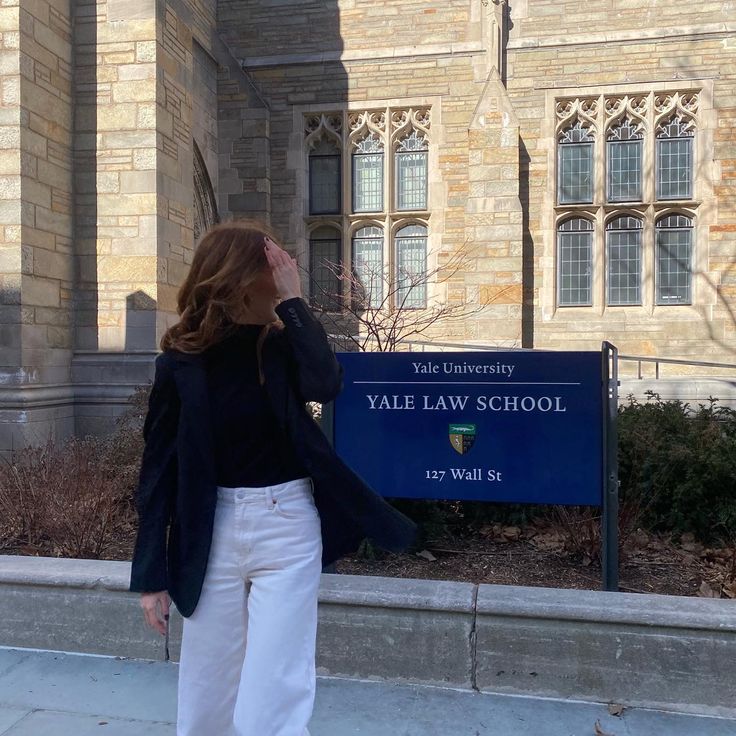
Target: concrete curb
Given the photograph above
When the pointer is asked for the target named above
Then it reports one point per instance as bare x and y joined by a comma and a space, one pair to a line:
665, 652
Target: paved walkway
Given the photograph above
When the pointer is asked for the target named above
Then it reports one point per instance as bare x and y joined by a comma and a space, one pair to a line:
54, 694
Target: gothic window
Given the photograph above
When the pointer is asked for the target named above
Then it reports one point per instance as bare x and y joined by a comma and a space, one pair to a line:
324, 178
648, 162
411, 266
324, 266
575, 165
368, 175
624, 149
575, 259
383, 248
675, 160
674, 235
368, 265
623, 259
411, 173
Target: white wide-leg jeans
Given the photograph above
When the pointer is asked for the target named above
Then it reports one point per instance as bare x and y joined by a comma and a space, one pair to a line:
247, 658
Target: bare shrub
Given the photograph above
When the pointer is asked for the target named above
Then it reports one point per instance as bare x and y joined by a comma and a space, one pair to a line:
74, 499
581, 525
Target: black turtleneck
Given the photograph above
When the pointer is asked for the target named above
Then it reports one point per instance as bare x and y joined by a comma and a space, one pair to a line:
250, 448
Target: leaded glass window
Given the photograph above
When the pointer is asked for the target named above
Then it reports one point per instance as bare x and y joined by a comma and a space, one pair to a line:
411, 267
675, 160
368, 175
325, 179
368, 264
575, 262
411, 173
623, 247
674, 259
324, 268
575, 165
624, 148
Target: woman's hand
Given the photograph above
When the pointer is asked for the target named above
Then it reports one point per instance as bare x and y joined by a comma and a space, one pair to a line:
156, 609
284, 270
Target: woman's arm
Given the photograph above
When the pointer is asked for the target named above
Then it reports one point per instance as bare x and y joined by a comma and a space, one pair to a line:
155, 493
319, 375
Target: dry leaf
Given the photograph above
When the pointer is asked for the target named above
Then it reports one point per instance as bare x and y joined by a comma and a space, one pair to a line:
427, 555
707, 591
693, 547
586, 561
615, 709
512, 533
548, 541
599, 731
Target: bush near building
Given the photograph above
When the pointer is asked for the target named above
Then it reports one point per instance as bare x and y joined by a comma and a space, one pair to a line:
677, 470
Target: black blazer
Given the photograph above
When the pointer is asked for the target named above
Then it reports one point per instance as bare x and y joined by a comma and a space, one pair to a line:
177, 484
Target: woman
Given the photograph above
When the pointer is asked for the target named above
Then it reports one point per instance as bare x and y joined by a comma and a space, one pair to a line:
254, 499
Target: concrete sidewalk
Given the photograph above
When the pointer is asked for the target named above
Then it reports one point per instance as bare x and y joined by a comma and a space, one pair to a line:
56, 694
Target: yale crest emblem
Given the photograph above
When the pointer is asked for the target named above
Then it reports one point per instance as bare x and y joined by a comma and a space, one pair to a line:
462, 437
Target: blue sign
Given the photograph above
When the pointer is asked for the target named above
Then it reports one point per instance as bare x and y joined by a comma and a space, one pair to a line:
523, 427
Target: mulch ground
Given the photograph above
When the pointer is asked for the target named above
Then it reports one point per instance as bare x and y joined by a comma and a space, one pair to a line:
536, 554
529, 556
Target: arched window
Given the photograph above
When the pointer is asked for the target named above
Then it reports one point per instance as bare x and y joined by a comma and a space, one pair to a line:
325, 182
675, 159
624, 149
411, 173
674, 259
623, 250
368, 264
324, 268
575, 165
368, 175
575, 262
411, 267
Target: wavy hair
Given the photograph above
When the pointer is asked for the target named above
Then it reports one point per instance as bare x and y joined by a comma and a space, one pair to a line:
227, 260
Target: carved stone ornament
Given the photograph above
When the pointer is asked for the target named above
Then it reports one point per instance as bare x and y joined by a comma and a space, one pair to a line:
205, 205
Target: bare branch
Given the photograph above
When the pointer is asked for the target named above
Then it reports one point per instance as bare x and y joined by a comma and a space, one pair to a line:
383, 325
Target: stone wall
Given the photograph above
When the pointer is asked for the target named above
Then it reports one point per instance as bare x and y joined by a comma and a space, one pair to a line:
10, 201
36, 196
99, 118
641, 47
145, 99
272, 29
359, 56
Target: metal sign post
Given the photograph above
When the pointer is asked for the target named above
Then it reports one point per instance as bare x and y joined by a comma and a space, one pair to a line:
609, 522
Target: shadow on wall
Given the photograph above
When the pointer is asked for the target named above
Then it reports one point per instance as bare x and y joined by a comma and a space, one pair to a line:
140, 322
527, 252
86, 78
290, 53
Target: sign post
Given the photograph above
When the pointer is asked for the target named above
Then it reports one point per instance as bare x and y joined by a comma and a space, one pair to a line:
517, 426
609, 522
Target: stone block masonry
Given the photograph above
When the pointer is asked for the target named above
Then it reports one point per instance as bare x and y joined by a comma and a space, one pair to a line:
112, 109
664, 652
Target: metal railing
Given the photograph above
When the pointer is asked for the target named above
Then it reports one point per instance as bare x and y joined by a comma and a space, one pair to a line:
639, 359
341, 342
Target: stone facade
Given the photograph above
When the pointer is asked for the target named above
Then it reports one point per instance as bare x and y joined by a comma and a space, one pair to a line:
113, 109
36, 199
641, 48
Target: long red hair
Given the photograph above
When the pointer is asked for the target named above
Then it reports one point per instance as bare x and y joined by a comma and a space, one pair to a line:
226, 261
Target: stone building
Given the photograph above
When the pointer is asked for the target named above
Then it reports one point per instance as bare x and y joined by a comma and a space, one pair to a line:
583, 154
